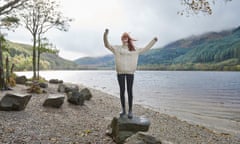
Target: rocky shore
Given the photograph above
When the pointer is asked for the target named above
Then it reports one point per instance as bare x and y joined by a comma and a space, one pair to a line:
87, 124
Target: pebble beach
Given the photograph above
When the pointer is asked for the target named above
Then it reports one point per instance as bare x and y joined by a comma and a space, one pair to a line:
88, 124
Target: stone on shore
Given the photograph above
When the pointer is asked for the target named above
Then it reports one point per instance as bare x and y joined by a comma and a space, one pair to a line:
55, 81
86, 93
54, 100
21, 80
61, 88
14, 102
43, 85
141, 138
75, 97
122, 128
65, 88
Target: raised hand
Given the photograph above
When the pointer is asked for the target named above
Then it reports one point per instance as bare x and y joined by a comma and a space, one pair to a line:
106, 31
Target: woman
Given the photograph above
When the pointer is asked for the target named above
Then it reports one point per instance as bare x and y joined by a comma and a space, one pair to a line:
126, 57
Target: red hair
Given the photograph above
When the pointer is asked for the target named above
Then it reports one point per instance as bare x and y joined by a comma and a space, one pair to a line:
131, 47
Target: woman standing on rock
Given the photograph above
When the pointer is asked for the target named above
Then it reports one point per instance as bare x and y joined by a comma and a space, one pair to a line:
126, 58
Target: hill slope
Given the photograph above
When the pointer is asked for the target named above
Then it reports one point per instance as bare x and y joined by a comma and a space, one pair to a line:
21, 56
210, 51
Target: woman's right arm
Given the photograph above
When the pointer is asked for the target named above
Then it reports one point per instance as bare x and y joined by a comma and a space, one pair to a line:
106, 43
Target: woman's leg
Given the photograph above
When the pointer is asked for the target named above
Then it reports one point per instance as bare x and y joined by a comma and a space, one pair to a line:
121, 82
130, 78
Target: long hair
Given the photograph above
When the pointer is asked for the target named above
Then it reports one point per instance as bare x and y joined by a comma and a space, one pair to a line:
131, 47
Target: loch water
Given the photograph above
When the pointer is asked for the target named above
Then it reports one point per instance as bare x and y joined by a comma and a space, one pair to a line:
211, 99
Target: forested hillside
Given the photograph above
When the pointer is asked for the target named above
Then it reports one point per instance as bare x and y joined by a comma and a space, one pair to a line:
21, 55
210, 51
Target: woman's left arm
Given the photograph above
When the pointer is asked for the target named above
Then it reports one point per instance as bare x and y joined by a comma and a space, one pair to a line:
149, 45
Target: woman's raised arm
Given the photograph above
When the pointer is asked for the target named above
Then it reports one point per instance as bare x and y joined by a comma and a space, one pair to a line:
105, 40
149, 45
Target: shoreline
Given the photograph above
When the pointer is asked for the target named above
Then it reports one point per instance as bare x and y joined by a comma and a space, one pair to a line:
88, 123
227, 128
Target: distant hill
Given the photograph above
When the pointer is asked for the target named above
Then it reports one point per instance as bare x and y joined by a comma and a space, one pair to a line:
97, 62
209, 51
21, 56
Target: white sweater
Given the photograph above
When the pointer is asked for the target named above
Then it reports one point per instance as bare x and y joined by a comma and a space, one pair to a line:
125, 60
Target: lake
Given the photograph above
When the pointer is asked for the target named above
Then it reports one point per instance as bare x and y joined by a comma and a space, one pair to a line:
211, 99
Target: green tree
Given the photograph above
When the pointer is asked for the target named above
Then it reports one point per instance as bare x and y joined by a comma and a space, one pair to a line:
44, 46
38, 17
7, 22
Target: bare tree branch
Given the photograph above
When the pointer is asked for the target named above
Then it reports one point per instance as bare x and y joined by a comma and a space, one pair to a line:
8, 7
198, 6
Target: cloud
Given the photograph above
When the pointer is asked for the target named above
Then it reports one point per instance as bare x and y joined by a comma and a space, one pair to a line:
144, 19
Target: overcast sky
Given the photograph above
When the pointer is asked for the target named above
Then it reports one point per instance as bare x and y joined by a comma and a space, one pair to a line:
144, 19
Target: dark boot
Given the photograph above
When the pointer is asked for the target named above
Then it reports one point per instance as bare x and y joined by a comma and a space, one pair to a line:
130, 103
123, 112
130, 115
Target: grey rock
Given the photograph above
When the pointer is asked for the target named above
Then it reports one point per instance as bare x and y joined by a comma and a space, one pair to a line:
43, 85
71, 88
75, 97
141, 138
134, 124
14, 102
61, 88
55, 81
86, 93
54, 100
122, 128
21, 80
67, 88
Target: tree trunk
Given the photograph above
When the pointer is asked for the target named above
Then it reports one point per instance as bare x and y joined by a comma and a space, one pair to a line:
1, 68
2, 80
38, 56
12, 68
38, 64
34, 57
7, 72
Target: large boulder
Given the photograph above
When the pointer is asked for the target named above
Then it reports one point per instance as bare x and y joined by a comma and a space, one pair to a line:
14, 102
54, 100
86, 93
123, 127
142, 138
21, 79
75, 97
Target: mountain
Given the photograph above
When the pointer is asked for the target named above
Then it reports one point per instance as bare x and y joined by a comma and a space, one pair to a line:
209, 51
95, 62
21, 55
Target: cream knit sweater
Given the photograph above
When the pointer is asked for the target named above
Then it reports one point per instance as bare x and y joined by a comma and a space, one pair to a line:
125, 60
